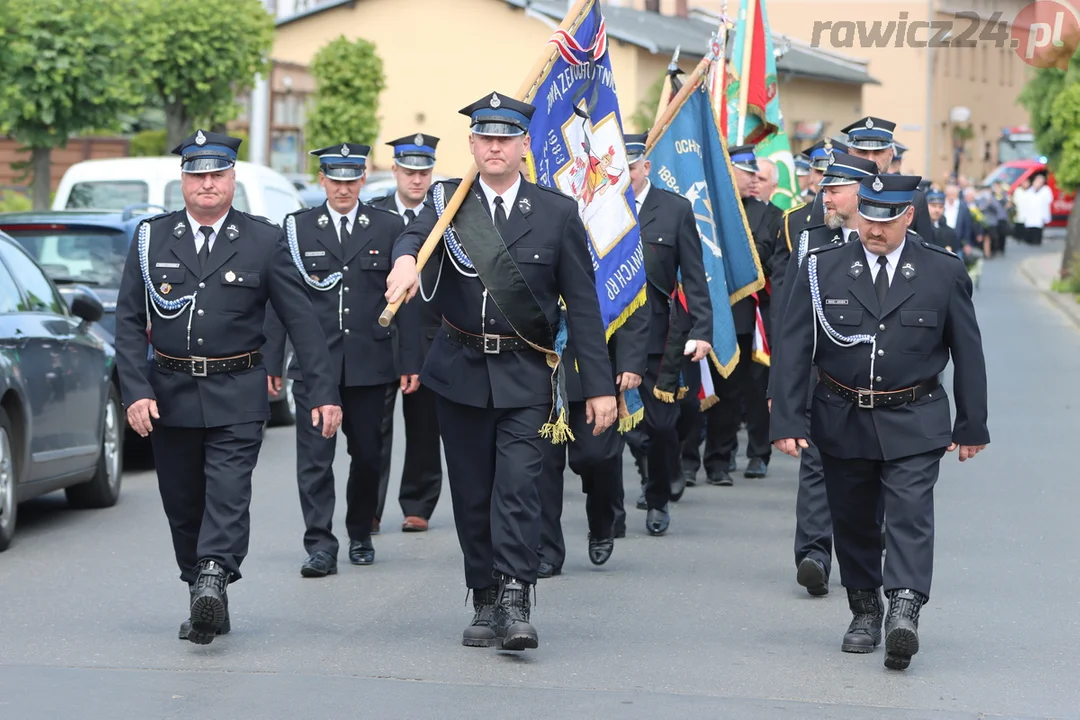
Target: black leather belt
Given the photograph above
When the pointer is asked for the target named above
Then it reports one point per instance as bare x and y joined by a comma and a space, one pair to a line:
869, 399
490, 344
201, 366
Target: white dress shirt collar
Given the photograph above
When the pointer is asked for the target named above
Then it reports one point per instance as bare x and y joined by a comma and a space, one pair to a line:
644, 194
893, 259
335, 219
402, 207
508, 197
195, 230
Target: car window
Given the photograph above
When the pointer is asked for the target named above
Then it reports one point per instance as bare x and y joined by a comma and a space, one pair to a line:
107, 194
1008, 173
174, 197
40, 294
9, 292
94, 257
279, 204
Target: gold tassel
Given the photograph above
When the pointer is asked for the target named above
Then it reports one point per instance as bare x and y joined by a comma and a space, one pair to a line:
683, 391
559, 431
663, 396
637, 302
628, 423
708, 402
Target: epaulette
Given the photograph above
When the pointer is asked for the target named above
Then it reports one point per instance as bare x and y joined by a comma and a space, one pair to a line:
824, 248
793, 209
301, 211
262, 219
938, 248
669, 192
158, 216
556, 191
382, 210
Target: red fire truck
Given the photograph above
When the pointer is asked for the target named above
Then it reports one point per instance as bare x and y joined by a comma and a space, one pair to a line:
1019, 161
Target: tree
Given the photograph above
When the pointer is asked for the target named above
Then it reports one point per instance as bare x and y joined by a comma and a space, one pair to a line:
1053, 98
198, 55
348, 79
66, 68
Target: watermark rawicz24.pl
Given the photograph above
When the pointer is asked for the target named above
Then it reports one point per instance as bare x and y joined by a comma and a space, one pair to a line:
1038, 26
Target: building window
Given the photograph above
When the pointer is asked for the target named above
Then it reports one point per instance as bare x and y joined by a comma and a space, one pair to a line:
974, 63
985, 64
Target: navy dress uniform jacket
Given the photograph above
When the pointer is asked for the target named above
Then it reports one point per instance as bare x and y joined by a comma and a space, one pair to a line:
763, 218
928, 317
244, 272
362, 352
669, 233
546, 239
429, 319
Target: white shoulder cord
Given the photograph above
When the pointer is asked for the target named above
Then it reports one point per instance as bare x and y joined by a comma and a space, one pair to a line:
837, 338
177, 306
324, 285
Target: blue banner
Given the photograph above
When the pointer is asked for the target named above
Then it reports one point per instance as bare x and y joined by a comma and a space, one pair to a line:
689, 158
577, 147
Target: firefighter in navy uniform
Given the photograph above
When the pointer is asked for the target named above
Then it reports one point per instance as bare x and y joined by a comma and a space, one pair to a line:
944, 235
421, 478
744, 390
897, 162
341, 252
872, 138
802, 172
512, 251
813, 524
881, 319
196, 286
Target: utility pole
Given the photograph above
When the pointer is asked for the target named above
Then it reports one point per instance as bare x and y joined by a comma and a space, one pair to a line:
259, 112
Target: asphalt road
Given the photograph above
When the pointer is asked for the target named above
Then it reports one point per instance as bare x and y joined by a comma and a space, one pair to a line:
707, 621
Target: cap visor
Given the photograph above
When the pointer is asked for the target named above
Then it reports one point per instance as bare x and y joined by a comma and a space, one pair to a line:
748, 167
830, 180
352, 172
206, 165
415, 162
497, 129
870, 144
881, 213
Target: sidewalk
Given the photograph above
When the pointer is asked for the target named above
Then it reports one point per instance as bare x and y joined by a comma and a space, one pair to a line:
1042, 270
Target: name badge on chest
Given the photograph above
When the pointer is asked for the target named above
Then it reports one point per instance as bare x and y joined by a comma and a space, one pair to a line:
315, 253
836, 301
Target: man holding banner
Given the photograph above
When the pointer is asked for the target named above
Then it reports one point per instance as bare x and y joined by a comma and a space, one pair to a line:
512, 250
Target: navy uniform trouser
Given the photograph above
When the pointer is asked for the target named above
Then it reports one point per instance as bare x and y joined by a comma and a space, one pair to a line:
204, 477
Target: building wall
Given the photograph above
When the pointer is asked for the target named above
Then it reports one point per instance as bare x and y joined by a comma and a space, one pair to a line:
805, 100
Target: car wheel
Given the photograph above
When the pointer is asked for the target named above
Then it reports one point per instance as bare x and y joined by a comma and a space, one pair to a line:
9, 505
283, 410
103, 490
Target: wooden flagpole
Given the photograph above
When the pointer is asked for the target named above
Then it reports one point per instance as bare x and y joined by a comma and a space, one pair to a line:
435, 236
665, 93
692, 81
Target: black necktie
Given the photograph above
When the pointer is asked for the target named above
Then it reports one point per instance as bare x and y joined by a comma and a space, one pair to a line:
204, 251
409, 216
344, 230
881, 284
853, 236
500, 216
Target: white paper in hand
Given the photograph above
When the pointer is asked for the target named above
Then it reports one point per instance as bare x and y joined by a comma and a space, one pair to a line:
691, 346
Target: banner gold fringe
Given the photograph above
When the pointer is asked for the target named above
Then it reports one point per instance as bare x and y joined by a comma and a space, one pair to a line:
708, 402
663, 396
628, 423
637, 302
559, 431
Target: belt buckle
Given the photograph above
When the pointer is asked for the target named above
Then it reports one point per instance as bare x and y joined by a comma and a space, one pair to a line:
866, 399
195, 372
491, 344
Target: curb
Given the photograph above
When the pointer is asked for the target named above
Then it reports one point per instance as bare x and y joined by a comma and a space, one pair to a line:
1063, 301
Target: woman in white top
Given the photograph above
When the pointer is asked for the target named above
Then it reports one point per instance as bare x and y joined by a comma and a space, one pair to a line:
1017, 203
1037, 202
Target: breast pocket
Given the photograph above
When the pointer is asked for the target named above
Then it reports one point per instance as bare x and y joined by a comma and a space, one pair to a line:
844, 317
239, 278
534, 256
166, 279
317, 265
921, 332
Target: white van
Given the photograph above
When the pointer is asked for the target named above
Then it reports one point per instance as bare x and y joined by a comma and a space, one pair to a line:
120, 183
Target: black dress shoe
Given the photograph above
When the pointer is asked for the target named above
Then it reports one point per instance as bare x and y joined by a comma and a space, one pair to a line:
600, 550
481, 632
733, 464
756, 468
689, 475
864, 632
209, 603
902, 628
620, 528
319, 564
548, 570
811, 575
721, 479
678, 487
642, 503
657, 521
361, 552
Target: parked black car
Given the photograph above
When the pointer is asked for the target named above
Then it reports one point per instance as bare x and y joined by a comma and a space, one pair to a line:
60, 415
90, 248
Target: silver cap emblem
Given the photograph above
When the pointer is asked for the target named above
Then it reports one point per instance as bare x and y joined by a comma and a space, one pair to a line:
495, 102
344, 150
878, 186
869, 124
418, 140
200, 139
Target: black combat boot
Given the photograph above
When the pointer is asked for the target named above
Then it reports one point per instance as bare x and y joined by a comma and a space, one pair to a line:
481, 633
209, 602
512, 616
864, 632
902, 628
185, 627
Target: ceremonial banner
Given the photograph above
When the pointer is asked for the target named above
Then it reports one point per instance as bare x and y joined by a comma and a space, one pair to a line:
577, 147
689, 158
